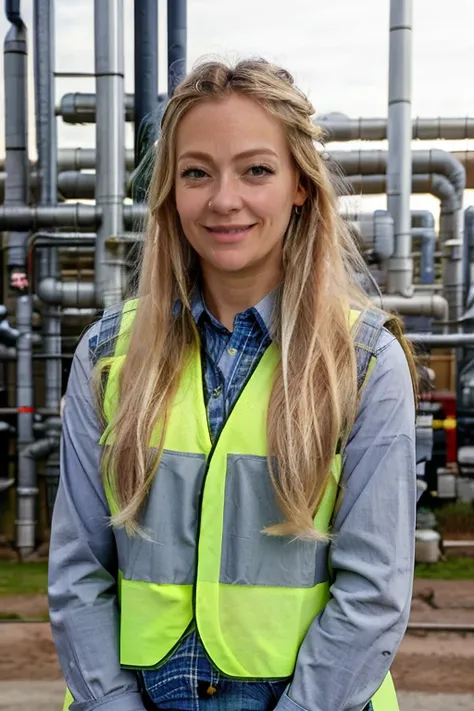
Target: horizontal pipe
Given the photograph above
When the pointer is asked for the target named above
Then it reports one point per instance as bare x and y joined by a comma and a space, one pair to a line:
78, 294
81, 107
71, 215
338, 127
442, 340
419, 305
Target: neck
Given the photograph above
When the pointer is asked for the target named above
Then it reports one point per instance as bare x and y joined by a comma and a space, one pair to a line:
229, 294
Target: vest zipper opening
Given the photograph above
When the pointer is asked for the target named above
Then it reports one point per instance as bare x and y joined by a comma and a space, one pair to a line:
198, 532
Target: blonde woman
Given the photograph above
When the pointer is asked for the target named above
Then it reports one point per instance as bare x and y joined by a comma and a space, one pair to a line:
235, 519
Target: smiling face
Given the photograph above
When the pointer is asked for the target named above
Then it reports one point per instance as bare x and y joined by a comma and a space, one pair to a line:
236, 186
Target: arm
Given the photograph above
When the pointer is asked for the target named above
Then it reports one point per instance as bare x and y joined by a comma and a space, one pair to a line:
350, 646
82, 562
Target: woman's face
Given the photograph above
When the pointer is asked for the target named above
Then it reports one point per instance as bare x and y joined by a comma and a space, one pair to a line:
236, 185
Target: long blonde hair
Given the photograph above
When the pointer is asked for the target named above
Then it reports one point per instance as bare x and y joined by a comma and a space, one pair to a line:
314, 398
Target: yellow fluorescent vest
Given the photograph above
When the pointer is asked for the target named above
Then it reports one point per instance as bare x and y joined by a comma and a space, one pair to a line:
203, 556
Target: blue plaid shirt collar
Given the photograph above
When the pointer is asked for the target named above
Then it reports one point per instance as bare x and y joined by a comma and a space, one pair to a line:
263, 311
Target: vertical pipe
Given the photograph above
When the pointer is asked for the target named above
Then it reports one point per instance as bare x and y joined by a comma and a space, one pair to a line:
16, 195
16, 135
47, 163
110, 147
146, 91
399, 132
146, 73
27, 490
177, 39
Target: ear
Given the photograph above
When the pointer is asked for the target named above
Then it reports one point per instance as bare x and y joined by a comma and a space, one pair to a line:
301, 193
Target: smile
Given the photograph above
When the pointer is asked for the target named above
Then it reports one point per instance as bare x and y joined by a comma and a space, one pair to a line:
229, 234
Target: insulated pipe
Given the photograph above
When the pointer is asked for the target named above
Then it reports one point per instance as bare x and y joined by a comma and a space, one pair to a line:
110, 143
418, 305
146, 73
427, 235
400, 267
177, 36
422, 218
47, 163
338, 127
16, 130
27, 490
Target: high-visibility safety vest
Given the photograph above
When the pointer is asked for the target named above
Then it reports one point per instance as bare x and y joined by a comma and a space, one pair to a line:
203, 558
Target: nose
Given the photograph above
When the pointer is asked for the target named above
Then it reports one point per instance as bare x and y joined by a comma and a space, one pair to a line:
226, 198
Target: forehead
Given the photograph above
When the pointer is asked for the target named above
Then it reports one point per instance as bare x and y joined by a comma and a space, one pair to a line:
231, 125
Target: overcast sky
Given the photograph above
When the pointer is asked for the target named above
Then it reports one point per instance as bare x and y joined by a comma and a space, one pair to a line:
337, 50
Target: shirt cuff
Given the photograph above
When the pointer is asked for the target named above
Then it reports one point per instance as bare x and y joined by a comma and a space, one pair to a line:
131, 701
287, 704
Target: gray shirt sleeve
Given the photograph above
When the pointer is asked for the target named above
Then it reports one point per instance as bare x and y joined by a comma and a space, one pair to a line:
82, 561
351, 644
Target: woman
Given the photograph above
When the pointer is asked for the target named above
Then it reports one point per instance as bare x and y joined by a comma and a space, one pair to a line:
249, 544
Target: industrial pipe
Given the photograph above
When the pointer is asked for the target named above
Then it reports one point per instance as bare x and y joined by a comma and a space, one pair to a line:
177, 41
16, 129
468, 259
338, 127
419, 305
69, 293
71, 215
400, 267
376, 233
110, 147
442, 340
27, 489
146, 74
47, 162
427, 235
439, 186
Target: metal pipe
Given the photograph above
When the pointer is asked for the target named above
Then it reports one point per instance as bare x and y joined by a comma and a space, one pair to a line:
427, 235
468, 257
338, 127
177, 40
16, 130
72, 215
34, 218
422, 218
69, 293
442, 340
400, 265
418, 305
110, 147
47, 161
27, 490
146, 74
376, 232
450, 221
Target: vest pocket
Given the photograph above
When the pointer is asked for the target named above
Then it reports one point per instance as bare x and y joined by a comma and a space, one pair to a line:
249, 556
166, 551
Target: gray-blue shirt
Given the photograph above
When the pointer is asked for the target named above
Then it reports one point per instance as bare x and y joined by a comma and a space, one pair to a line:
351, 643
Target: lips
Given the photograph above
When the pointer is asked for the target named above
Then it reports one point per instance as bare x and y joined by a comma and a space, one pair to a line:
229, 234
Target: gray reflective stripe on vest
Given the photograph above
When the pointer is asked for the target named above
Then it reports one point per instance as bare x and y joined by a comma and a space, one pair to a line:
165, 552
249, 556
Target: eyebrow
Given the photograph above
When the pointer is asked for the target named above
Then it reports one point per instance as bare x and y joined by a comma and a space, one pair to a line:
200, 155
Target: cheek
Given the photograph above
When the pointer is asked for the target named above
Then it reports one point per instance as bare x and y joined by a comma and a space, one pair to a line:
273, 203
189, 206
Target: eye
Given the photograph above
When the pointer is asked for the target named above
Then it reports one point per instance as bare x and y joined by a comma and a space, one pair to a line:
193, 173
259, 171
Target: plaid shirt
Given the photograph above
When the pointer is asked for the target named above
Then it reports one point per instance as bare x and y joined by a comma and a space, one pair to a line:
228, 360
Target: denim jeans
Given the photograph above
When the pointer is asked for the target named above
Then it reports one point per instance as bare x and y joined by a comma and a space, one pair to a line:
229, 696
